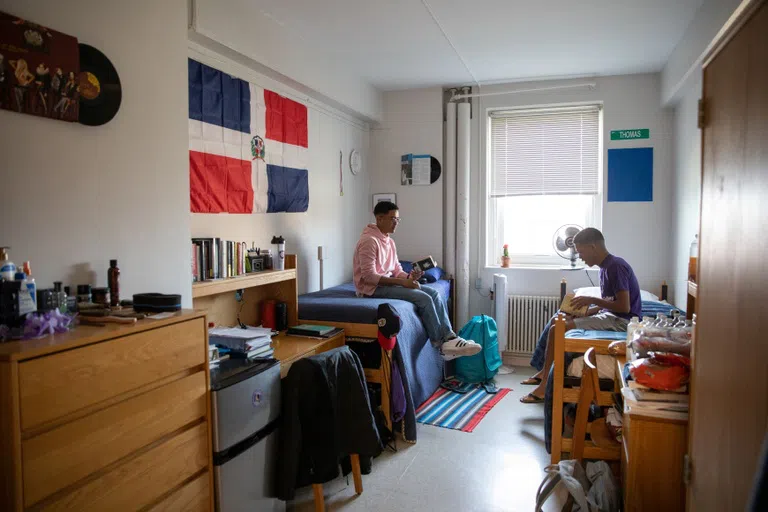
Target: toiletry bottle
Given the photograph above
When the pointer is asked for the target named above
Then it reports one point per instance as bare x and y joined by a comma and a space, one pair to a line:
31, 285
7, 267
71, 300
26, 303
113, 280
693, 259
61, 296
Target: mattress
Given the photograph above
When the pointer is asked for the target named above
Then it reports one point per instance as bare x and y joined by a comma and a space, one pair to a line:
340, 304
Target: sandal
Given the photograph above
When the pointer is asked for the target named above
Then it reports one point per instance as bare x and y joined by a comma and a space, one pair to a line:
530, 398
533, 381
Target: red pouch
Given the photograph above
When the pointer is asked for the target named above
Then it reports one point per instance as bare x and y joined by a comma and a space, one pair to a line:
662, 371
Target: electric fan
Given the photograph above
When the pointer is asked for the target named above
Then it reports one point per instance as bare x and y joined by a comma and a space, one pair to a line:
563, 244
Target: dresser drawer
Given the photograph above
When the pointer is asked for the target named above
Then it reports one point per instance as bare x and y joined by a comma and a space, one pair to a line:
64, 455
193, 497
144, 479
62, 383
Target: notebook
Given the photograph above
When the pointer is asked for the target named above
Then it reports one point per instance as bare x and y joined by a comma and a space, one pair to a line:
313, 330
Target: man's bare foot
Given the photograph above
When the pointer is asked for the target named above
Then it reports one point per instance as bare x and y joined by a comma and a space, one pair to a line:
530, 398
533, 381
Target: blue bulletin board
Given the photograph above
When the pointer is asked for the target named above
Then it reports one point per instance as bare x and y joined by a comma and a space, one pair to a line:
630, 174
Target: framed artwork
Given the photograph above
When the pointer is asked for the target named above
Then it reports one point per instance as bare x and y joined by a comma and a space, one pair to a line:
390, 196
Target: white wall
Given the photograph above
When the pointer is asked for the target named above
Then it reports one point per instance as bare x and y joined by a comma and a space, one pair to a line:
241, 26
75, 196
333, 221
639, 232
412, 123
677, 76
687, 185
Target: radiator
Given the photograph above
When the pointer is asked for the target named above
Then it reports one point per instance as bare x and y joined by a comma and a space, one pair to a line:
527, 316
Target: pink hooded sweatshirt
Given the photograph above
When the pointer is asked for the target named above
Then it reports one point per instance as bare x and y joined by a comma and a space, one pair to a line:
375, 257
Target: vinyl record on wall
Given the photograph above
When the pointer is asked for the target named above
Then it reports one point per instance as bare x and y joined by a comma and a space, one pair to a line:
100, 92
435, 170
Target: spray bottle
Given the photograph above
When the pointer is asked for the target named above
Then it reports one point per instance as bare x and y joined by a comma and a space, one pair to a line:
7, 267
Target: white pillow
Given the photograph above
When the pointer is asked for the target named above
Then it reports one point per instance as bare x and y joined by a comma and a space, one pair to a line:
594, 291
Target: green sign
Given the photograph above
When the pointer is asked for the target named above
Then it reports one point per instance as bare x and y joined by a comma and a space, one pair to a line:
643, 133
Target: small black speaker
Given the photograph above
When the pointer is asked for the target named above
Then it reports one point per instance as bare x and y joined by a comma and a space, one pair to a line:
281, 316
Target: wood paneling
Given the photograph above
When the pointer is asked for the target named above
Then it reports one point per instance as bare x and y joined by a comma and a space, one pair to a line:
61, 457
10, 437
65, 382
164, 467
193, 497
729, 410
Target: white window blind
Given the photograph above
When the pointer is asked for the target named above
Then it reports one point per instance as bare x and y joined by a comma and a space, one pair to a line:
545, 151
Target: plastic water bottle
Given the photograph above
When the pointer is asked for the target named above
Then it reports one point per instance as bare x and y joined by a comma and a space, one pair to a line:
634, 324
279, 260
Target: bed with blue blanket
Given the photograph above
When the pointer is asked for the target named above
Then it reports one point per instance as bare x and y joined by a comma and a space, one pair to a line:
420, 364
650, 308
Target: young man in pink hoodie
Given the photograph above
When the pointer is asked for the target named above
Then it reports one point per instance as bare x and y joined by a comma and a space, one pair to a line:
378, 273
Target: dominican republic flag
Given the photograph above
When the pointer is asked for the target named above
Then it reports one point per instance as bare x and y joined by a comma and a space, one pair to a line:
247, 146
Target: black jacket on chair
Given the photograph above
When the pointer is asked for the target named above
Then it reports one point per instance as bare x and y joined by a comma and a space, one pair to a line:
326, 415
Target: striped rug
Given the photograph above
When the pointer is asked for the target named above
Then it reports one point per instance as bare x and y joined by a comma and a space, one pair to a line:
456, 410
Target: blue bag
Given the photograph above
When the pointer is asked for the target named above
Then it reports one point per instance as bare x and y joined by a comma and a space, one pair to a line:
483, 366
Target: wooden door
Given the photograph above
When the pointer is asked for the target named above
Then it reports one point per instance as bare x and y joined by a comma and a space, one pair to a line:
730, 360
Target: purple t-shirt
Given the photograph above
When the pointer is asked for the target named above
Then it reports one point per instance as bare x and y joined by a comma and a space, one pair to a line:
615, 276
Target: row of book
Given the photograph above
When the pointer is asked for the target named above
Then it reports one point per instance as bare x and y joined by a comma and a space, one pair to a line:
214, 258
660, 404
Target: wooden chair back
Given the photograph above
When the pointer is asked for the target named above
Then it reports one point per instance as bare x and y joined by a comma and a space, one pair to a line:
562, 395
589, 388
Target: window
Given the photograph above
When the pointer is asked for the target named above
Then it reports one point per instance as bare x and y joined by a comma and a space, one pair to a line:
544, 171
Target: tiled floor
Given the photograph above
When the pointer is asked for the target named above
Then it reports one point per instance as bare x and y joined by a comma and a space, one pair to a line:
496, 468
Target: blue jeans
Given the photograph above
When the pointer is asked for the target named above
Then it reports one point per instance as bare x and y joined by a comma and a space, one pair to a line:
539, 354
429, 306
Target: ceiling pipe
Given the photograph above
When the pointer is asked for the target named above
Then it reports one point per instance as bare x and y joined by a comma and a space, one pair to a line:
590, 85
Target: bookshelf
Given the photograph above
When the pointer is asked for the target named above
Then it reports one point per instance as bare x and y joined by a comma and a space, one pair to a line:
217, 297
216, 286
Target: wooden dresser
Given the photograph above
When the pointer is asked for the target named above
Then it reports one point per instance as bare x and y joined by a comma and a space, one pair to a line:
108, 418
652, 456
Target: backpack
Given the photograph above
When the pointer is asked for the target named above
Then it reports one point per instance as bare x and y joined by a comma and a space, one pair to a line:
483, 366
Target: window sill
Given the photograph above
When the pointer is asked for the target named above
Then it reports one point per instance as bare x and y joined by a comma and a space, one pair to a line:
535, 266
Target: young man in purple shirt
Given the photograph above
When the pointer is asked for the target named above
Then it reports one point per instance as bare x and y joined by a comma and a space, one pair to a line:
620, 301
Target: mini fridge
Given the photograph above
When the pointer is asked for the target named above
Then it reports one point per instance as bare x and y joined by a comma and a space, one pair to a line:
245, 404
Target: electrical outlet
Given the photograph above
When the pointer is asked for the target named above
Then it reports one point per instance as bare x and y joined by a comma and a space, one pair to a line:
478, 283
239, 294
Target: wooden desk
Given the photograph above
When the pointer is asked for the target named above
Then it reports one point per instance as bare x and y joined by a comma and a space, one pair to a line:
652, 459
289, 349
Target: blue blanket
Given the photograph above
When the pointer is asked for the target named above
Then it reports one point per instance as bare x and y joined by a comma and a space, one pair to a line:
420, 364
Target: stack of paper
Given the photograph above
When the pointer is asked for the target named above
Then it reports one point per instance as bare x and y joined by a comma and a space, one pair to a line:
251, 341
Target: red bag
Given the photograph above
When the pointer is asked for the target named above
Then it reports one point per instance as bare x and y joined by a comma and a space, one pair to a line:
662, 371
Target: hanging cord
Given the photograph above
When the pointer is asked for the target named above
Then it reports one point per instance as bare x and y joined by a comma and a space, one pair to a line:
589, 277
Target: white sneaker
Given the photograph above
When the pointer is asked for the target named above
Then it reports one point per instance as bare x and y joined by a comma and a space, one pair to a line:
459, 347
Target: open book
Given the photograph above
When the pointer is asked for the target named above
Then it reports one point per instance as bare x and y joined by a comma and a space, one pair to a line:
568, 308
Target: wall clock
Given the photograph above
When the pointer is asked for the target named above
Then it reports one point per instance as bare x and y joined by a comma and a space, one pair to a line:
355, 161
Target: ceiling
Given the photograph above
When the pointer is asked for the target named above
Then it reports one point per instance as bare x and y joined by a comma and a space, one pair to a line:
396, 44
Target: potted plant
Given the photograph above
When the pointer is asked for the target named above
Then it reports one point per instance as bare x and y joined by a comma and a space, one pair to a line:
505, 256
